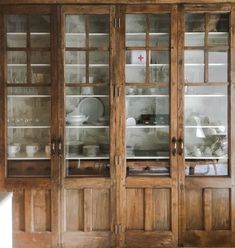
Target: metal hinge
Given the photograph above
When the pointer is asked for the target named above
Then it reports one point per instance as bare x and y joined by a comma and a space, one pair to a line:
116, 92
117, 22
118, 229
117, 160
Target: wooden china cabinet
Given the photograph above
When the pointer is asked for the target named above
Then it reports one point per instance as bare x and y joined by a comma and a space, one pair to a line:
117, 124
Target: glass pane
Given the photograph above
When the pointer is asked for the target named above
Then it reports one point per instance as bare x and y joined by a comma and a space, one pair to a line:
135, 30
194, 29
135, 66
99, 67
40, 30
16, 31
75, 67
29, 135
40, 67
16, 67
75, 31
159, 30
40, 24
98, 28
206, 130
87, 131
147, 131
219, 30
159, 66
218, 66
194, 66
99, 40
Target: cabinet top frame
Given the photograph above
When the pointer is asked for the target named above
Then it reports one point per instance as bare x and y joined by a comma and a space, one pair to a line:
196, 3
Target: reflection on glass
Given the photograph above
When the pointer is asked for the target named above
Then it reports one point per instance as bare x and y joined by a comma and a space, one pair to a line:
159, 30
147, 131
206, 131
159, 66
75, 31
16, 67
218, 66
40, 30
98, 23
195, 29
40, 67
16, 31
135, 66
194, 66
135, 30
87, 131
29, 115
218, 35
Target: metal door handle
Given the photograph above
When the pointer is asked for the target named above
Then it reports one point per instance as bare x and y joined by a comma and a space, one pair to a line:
181, 144
53, 147
174, 144
60, 147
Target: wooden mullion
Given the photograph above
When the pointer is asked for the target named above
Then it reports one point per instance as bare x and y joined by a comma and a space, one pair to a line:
93, 49
180, 129
161, 85
174, 114
28, 45
147, 76
87, 48
206, 49
208, 84
28, 85
85, 85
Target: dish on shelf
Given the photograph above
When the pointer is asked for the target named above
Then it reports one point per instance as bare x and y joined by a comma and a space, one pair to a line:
90, 150
74, 147
130, 121
91, 107
76, 119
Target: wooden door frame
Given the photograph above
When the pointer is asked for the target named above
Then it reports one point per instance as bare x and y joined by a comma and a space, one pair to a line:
211, 182
143, 182
88, 183
29, 186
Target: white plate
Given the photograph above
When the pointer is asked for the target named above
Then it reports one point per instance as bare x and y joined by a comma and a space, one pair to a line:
91, 107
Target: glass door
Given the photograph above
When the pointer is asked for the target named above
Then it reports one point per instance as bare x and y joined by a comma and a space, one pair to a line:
206, 57
147, 73
150, 85
28, 83
87, 103
207, 177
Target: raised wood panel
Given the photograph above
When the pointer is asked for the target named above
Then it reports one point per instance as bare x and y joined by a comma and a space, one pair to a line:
221, 211
161, 209
100, 209
42, 210
135, 209
88, 240
141, 239
18, 210
199, 238
74, 216
194, 209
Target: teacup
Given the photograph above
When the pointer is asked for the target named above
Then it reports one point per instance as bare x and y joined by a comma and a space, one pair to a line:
13, 149
31, 150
